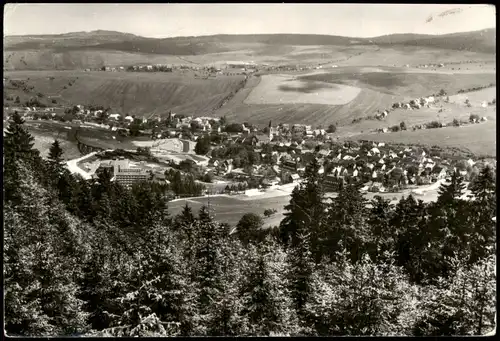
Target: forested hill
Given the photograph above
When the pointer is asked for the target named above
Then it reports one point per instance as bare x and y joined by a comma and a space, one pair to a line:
92, 258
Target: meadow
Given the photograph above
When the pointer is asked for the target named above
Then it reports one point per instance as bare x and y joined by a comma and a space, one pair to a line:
479, 139
404, 84
230, 209
366, 102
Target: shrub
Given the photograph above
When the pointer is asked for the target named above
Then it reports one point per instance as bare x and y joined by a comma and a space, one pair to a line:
54, 101
402, 125
456, 123
433, 124
473, 117
394, 128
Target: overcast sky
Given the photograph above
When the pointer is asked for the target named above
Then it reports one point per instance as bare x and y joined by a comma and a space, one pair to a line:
170, 20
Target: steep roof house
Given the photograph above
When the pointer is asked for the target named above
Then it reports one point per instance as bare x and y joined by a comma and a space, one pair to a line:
439, 172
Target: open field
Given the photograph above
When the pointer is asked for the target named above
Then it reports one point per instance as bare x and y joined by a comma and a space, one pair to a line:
263, 100
476, 98
280, 89
365, 103
422, 116
230, 209
413, 55
130, 92
404, 83
479, 139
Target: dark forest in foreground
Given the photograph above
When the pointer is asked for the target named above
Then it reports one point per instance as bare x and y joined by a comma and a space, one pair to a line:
94, 258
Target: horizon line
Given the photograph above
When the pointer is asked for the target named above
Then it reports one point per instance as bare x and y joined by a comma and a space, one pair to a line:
242, 34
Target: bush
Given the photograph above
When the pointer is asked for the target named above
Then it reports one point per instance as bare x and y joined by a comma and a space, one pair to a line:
332, 128
433, 124
456, 123
394, 128
54, 101
402, 125
473, 117
269, 212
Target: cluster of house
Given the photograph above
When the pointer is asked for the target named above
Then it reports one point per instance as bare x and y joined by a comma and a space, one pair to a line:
387, 168
287, 131
412, 104
380, 167
432, 65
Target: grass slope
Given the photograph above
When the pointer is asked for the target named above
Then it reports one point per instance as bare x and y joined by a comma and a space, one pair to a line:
404, 83
131, 93
366, 102
479, 139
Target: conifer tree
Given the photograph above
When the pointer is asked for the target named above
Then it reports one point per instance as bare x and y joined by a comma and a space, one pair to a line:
18, 148
306, 210
41, 267
204, 215
225, 318
185, 218
207, 268
462, 305
56, 152
301, 270
382, 234
346, 222
414, 237
364, 298
449, 193
268, 310
484, 187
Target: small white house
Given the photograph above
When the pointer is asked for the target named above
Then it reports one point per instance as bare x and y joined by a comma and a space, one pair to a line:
129, 118
114, 116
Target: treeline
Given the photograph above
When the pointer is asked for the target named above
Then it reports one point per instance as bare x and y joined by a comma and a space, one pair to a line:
183, 185
477, 88
91, 258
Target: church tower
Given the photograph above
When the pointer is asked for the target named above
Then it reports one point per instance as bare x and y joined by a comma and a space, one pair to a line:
271, 132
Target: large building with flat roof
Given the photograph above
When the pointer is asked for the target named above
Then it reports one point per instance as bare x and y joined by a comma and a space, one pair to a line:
123, 173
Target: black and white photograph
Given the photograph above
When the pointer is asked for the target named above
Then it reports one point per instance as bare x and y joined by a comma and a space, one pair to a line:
242, 170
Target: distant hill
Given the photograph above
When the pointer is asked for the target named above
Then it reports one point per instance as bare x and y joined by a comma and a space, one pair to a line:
480, 41
78, 50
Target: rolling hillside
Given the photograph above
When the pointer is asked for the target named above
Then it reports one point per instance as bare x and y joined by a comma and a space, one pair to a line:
128, 93
404, 84
95, 49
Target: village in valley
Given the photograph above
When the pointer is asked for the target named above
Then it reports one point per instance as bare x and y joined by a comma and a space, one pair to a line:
232, 158
198, 170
